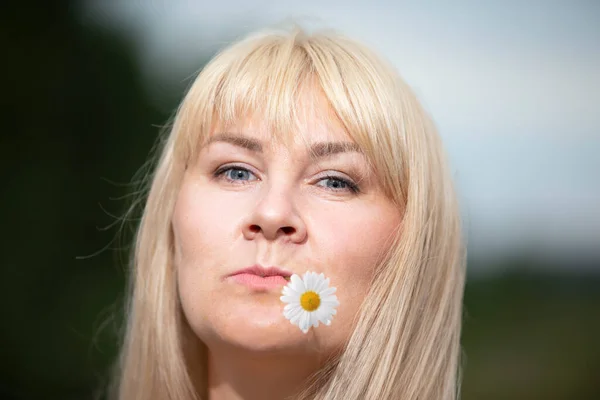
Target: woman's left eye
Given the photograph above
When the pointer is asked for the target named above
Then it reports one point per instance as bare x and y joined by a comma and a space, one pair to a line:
336, 183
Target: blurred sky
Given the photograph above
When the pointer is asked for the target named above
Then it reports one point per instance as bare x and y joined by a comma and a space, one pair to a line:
514, 87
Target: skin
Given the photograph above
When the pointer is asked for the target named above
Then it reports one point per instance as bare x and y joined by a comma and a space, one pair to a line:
275, 206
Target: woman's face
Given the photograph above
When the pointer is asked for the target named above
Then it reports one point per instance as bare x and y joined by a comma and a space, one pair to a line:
247, 201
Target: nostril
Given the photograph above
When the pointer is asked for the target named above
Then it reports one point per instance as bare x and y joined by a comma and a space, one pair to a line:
288, 230
254, 228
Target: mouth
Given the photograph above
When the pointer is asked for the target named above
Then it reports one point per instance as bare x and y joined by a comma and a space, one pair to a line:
259, 278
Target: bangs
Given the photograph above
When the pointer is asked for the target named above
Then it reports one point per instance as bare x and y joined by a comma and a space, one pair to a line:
279, 79
266, 85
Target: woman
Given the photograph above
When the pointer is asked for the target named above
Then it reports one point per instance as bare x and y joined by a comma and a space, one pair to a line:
293, 153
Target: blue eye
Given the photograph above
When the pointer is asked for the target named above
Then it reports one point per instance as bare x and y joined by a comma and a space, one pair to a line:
235, 174
338, 184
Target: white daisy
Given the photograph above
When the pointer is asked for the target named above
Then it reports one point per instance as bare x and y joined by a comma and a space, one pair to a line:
310, 300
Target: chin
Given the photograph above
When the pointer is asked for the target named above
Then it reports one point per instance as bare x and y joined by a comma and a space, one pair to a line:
256, 331
265, 340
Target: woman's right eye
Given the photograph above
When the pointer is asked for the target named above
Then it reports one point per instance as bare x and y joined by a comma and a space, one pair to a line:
235, 174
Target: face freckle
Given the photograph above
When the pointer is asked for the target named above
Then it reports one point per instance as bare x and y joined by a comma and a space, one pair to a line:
289, 209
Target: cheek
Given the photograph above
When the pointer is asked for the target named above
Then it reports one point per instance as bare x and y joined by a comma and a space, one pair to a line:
351, 249
354, 245
203, 236
204, 224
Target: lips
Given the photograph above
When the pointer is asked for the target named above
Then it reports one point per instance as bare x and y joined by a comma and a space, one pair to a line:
259, 278
263, 272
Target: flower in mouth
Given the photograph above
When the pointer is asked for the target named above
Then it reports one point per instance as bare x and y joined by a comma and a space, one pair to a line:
309, 300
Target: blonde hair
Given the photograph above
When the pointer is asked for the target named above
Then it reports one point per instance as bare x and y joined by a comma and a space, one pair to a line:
406, 341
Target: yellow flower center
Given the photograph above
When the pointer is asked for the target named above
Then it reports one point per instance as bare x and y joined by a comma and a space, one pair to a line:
310, 301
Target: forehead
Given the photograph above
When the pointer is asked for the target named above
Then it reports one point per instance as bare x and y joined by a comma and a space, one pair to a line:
305, 131
311, 121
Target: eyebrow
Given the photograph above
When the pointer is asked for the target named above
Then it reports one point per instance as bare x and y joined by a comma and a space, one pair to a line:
326, 149
237, 140
317, 150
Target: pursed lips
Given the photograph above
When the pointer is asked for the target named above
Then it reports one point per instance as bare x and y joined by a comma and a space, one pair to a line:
258, 278
263, 272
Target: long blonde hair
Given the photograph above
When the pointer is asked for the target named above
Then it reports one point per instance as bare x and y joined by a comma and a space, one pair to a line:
406, 341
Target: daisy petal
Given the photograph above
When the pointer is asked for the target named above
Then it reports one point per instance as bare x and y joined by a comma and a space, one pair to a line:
309, 281
316, 320
327, 292
331, 302
322, 315
296, 318
311, 319
288, 291
315, 323
291, 306
306, 280
304, 323
322, 285
329, 306
297, 284
293, 313
289, 299
315, 281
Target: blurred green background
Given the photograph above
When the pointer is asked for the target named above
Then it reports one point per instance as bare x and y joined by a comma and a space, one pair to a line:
79, 123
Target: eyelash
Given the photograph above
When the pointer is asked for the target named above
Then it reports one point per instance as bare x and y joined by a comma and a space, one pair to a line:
353, 187
220, 173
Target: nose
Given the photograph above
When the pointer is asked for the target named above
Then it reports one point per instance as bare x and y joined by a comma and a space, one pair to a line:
275, 217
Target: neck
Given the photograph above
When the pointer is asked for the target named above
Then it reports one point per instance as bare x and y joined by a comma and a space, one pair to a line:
239, 375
